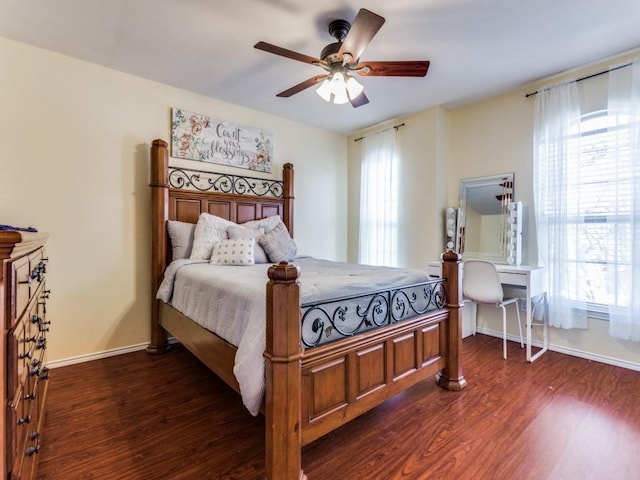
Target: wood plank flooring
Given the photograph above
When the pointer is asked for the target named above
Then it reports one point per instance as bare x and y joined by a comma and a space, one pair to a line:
138, 416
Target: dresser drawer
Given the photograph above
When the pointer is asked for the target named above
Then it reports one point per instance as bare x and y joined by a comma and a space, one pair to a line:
28, 424
26, 344
27, 274
23, 419
21, 276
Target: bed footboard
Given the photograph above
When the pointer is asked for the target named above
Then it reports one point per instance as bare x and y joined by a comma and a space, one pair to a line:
310, 393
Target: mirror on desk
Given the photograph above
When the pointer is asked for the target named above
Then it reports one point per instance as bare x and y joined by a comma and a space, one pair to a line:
485, 216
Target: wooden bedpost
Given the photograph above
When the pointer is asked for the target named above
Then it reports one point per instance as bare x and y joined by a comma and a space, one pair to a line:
287, 194
283, 353
159, 184
451, 376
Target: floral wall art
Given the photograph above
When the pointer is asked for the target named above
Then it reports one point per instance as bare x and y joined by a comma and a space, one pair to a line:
200, 137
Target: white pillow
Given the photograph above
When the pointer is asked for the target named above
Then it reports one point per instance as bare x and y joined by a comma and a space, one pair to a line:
181, 236
268, 223
233, 252
278, 244
209, 230
237, 232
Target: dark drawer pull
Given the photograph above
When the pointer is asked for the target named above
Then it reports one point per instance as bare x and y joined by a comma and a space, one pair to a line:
36, 319
29, 396
30, 339
44, 374
26, 419
32, 450
41, 344
35, 368
28, 355
36, 273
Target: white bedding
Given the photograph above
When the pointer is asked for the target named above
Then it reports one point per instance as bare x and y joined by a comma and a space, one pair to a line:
231, 301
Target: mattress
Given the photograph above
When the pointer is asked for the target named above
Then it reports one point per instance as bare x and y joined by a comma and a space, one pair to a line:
231, 302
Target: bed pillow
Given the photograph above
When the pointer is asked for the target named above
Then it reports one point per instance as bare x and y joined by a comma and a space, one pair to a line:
181, 236
209, 230
278, 244
237, 253
237, 232
268, 223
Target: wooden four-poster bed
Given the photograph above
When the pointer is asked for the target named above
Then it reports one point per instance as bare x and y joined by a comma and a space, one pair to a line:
311, 388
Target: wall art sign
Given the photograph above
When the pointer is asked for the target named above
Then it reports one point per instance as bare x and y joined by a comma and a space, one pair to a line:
200, 137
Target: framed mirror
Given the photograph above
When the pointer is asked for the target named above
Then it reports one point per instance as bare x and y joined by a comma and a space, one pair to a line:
483, 221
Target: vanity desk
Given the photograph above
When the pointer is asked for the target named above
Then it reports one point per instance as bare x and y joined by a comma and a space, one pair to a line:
487, 224
529, 281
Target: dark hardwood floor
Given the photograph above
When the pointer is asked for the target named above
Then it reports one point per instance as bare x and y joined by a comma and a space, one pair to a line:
138, 416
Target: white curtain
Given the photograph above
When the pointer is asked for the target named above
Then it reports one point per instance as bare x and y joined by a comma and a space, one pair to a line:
379, 200
556, 143
624, 104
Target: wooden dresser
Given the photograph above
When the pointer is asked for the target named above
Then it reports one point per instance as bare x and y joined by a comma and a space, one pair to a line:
23, 297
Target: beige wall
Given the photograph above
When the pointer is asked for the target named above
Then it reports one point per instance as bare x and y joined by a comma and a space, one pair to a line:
485, 138
75, 139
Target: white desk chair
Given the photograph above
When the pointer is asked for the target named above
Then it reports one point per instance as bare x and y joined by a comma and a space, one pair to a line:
480, 284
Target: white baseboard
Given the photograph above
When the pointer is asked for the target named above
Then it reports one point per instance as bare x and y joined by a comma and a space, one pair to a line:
569, 351
98, 355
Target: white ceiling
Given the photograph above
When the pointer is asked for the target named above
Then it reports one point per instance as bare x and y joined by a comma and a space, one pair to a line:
477, 48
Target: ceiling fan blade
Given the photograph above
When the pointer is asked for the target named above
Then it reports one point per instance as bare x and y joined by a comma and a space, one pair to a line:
363, 29
283, 52
359, 100
310, 82
417, 68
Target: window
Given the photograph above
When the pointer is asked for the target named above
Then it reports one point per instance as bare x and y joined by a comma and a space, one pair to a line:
598, 211
379, 200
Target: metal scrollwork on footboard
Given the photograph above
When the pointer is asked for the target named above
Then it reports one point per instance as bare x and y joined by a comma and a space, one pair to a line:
204, 181
324, 322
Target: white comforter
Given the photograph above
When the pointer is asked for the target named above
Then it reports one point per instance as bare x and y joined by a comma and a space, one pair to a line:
231, 301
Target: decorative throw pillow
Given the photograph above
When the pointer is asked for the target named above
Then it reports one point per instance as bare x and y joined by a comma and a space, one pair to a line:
268, 223
209, 230
233, 252
237, 232
181, 236
278, 244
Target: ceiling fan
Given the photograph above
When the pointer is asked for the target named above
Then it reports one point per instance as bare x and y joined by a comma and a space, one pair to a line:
341, 60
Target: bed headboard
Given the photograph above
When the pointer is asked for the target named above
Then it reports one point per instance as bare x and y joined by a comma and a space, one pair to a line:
183, 194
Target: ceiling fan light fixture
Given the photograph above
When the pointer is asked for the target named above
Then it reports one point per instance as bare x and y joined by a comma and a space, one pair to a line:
338, 88
324, 90
335, 89
353, 87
